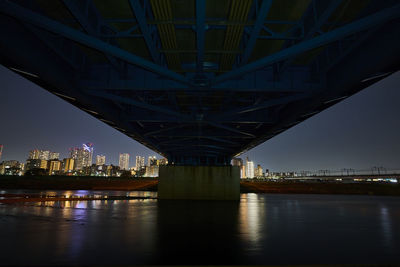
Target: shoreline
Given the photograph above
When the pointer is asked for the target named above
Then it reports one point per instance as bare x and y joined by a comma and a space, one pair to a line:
150, 184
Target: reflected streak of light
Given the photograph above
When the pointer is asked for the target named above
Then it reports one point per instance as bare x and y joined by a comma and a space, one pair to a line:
250, 219
81, 204
386, 226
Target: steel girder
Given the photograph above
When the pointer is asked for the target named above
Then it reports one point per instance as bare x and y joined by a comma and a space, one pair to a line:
311, 27
202, 117
255, 33
373, 20
141, 19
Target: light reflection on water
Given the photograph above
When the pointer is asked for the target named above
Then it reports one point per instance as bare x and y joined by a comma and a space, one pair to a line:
251, 220
260, 229
386, 224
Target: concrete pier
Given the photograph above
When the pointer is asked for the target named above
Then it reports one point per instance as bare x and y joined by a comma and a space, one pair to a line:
199, 182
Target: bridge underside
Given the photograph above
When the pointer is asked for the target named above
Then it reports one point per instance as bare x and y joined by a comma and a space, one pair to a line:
201, 81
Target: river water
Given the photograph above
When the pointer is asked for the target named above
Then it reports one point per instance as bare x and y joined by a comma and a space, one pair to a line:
263, 229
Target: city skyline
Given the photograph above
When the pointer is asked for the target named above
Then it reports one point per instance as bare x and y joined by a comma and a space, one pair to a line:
99, 159
362, 129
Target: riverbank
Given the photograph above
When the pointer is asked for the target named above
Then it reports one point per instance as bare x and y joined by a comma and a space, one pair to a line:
284, 187
150, 184
78, 183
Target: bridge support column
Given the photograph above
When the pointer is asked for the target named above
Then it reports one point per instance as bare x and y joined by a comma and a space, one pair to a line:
199, 182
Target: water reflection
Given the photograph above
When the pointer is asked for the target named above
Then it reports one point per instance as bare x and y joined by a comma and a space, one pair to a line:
260, 229
386, 226
198, 232
252, 215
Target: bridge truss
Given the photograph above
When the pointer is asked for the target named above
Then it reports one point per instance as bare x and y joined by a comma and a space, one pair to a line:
201, 81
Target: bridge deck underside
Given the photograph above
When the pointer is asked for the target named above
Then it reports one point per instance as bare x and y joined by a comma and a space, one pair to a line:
201, 81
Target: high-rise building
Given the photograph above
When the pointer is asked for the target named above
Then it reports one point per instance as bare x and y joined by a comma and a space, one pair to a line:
34, 154
82, 156
139, 163
44, 154
151, 171
258, 171
88, 147
54, 166
112, 170
54, 155
163, 161
11, 167
1, 151
249, 168
100, 160
68, 165
73, 152
124, 161
243, 171
36, 164
151, 161
237, 162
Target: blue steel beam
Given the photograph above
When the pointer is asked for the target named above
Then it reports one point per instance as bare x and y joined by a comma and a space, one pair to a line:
26, 15
140, 15
262, 14
240, 138
55, 76
230, 129
269, 87
103, 77
365, 23
152, 133
135, 103
93, 28
200, 33
143, 116
200, 145
321, 20
344, 51
190, 125
220, 21
72, 55
200, 152
220, 140
264, 105
200, 148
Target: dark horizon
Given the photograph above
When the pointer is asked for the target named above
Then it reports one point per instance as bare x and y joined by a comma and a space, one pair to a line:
362, 130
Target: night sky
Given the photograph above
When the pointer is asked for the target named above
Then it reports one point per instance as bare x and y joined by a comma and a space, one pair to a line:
360, 132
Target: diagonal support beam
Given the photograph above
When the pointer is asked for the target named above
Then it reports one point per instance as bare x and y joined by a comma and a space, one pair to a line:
78, 13
180, 140
26, 15
145, 29
262, 14
164, 130
266, 104
365, 23
200, 32
174, 147
138, 104
219, 140
332, 6
221, 126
